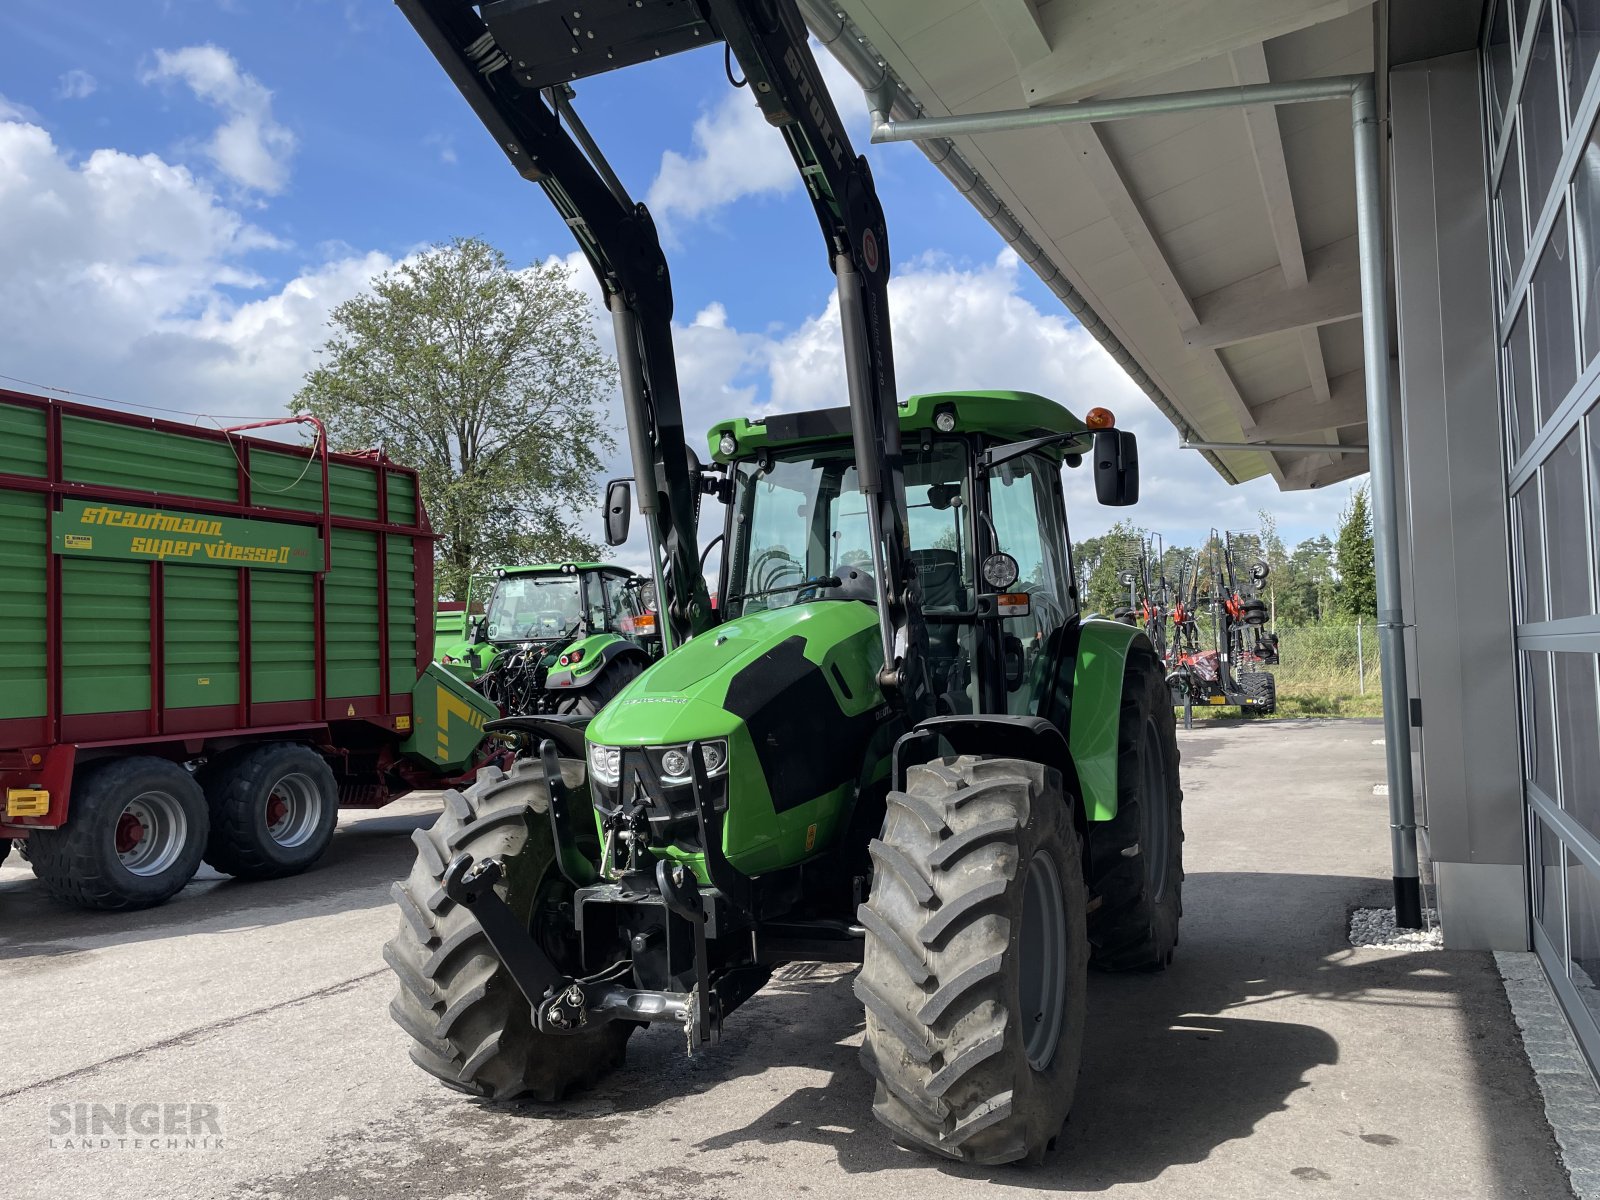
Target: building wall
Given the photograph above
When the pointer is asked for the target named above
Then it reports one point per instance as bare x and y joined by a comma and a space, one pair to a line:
1462, 641
1541, 94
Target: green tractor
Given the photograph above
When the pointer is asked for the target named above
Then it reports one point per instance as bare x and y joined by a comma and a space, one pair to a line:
556, 638
895, 741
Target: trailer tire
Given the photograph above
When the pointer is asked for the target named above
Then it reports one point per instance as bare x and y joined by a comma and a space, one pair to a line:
470, 1024
1136, 858
615, 676
977, 892
133, 838
1261, 689
273, 811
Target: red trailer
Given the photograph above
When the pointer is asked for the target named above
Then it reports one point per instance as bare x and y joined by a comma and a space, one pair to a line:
208, 642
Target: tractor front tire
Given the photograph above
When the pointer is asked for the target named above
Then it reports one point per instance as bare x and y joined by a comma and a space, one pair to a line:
469, 1022
975, 970
613, 678
1261, 688
133, 838
273, 811
1136, 858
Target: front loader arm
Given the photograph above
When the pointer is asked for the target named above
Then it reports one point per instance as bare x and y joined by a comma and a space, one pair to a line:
523, 110
769, 39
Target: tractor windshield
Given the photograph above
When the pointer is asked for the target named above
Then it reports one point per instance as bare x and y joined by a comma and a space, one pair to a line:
526, 608
805, 518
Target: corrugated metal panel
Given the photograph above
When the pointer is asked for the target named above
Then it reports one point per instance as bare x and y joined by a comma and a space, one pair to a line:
402, 613
105, 636
23, 440
201, 632
282, 637
354, 491
24, 557
350, 615
146, 460
285, 480
402, 500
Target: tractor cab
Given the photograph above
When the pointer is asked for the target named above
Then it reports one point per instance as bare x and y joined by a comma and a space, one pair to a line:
988, 541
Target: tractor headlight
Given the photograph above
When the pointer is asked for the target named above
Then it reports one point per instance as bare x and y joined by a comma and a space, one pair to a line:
727, 443
675, 766
606, 764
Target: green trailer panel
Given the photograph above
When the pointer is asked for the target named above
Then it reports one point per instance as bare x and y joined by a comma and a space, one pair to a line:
402, 500
350, 615
200, 634
24, 434
402, 569
105, 637
282, 638
116, 455
24, 561
292, 481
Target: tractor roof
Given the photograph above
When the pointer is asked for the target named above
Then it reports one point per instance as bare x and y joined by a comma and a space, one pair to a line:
1006, 416
562, 569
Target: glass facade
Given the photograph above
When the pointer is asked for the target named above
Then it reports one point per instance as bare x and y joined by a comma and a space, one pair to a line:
1543, 144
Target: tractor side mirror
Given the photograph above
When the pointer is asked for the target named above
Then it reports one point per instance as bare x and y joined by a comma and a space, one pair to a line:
619, 511
1116, 467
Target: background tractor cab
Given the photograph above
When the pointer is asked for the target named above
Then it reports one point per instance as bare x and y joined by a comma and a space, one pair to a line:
550, 633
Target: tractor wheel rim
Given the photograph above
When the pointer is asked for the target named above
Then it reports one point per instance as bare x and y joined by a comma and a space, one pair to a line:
1153, 810
150, 833
1042, 958
293, 810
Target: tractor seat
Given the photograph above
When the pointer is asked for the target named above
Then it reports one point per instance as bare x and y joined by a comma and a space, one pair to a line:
939, 573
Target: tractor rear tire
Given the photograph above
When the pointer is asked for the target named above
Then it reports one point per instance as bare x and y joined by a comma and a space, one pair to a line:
975, 970
1136, 858
470, 1024
273, 811
602, 691
1260, 687
133, 838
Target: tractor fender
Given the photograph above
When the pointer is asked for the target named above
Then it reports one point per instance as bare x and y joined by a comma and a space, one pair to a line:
1098, 667
594, 654
1033, 739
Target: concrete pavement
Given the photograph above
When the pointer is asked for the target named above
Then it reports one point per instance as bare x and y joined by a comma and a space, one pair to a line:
1272, 1058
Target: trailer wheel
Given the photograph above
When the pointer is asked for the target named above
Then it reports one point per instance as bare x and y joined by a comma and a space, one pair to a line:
470, 1024
273, 810
1136, 858
1260, 688
613, 678
974, 973
133, 837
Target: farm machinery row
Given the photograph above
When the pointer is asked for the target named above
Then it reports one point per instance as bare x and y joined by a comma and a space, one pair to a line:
1209, 621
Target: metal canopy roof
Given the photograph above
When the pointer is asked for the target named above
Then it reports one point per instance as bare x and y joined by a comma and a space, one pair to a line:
1214, 252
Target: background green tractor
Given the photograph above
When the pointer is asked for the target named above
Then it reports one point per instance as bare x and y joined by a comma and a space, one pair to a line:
555, 638
895, 741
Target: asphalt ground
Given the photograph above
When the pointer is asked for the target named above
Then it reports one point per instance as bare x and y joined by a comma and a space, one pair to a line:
1271, 1059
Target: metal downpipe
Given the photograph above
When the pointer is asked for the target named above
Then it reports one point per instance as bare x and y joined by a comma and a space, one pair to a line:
1385, 527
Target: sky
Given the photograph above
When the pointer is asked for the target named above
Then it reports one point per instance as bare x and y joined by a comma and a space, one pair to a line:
188, 187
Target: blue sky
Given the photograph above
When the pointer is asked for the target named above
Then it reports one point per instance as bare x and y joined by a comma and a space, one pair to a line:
187, 186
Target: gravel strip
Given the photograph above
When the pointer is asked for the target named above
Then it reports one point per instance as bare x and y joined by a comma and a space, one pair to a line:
1376, 927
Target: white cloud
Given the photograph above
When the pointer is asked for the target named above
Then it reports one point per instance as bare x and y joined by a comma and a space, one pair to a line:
121, 276
959, 328
76, 84
250, 147
737, 154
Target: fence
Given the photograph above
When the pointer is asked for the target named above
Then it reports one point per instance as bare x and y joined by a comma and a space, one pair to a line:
1336, 665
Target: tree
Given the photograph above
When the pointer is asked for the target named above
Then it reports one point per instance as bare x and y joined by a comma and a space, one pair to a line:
490, 382
1358, 580
1100, 563
1305, 591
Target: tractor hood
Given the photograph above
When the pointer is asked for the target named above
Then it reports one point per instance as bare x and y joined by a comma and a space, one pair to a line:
708, 686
